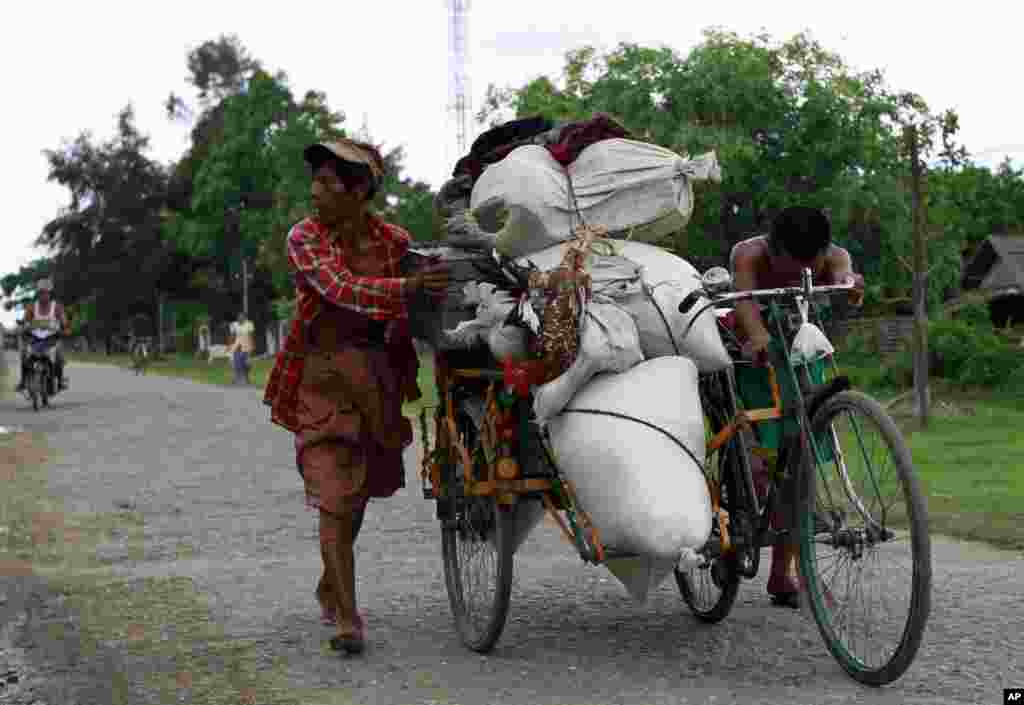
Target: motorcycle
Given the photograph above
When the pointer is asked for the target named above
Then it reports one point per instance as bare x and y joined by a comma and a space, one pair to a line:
41, 382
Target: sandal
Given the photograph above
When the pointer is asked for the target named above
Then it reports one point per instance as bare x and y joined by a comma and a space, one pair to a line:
348, 644
786, 599
354, 643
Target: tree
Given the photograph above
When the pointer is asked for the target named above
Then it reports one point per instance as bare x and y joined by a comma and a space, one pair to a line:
19, 288
107, 243
790, 122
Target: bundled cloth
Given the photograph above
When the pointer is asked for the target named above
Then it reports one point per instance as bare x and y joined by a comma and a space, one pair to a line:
476, 230
564, 142
634, 189
493, 308
649, 283
609, 343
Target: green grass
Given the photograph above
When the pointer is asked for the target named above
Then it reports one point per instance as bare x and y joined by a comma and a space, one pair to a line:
970, 459
972, 467
184, 365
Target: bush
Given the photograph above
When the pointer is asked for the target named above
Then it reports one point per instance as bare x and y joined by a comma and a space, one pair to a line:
960, 352
971, 354
976, 314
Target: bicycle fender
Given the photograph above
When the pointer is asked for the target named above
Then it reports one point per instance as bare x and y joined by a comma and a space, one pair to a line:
824, 392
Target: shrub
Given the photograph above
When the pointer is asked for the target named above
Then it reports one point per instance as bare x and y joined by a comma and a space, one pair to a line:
976, 314
971, 354
960, 351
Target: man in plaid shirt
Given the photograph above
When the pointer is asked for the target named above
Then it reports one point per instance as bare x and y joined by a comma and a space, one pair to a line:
348, 362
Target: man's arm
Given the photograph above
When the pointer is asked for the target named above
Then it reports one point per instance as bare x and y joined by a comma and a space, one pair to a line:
748, 313
840, 269
312, 260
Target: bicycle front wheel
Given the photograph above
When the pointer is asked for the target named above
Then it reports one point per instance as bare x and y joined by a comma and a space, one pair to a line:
865, 550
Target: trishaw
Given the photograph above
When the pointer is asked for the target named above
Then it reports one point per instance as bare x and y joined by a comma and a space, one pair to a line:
857, 510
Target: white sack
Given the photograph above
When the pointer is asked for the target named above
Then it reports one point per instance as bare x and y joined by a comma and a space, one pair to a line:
644, 493
609, 343
619, 184
640, 574
669, 279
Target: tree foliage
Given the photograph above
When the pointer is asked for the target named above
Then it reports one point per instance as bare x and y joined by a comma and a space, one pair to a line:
791, 122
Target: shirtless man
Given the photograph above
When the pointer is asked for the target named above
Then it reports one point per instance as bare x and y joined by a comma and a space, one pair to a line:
800, 238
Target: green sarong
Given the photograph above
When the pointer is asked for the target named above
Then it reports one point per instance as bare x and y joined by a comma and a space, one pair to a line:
755, 392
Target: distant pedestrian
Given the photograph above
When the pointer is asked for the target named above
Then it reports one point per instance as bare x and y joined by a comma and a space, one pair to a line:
241, 348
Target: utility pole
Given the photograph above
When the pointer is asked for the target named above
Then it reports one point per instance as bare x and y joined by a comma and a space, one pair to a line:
160, 323
245, 286
458, 77
921, 392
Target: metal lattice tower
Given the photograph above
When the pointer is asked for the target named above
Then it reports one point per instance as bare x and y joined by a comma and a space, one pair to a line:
458, 86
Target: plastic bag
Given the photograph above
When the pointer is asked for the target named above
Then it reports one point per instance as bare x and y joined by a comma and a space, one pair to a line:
492, 306
810, 343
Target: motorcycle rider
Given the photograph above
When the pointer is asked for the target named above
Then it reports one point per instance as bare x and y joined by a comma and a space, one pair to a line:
45, 312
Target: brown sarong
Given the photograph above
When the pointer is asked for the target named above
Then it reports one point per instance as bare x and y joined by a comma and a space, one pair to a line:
352, 432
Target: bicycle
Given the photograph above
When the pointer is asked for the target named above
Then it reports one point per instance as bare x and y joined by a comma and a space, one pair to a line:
824, 424
491, 475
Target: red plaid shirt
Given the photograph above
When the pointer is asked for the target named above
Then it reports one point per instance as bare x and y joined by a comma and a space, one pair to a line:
322, 279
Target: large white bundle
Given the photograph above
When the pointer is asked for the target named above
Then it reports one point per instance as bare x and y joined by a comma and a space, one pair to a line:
623, 185
644, 493
608, 343
669, 279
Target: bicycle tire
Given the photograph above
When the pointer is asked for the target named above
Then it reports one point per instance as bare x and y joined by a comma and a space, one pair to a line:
819, 594
456, 532
728, 585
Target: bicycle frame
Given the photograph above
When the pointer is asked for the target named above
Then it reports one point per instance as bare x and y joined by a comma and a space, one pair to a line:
558, 492
747, 418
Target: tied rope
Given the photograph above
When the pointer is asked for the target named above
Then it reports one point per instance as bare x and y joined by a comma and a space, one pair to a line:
593, 244
648, 424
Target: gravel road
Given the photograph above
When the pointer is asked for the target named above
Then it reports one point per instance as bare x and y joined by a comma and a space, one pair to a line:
206, 471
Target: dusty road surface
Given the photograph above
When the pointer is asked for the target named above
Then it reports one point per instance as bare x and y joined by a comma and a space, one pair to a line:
189, 564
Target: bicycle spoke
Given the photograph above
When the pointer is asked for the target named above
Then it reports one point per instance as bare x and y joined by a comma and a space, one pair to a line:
863, 561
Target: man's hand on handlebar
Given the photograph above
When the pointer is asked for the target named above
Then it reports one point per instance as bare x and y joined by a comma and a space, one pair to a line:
857, 292
756, 349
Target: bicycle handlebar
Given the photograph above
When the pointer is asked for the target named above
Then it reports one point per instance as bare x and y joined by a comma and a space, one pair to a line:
807, 290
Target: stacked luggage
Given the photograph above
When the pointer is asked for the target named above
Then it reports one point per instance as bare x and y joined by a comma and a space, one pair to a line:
554, 227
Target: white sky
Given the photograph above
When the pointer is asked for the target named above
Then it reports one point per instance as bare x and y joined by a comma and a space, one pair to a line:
74, 65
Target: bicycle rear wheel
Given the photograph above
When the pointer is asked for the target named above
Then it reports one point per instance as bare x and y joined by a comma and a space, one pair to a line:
710, 589
478, 553
865, 549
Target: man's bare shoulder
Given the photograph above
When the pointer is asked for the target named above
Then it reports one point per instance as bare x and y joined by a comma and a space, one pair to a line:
837, 255
752, 249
